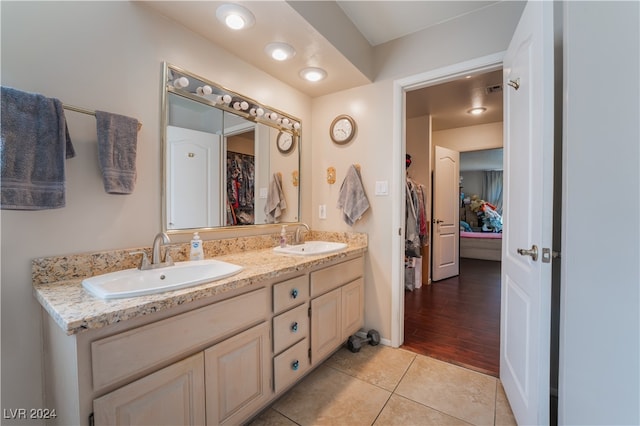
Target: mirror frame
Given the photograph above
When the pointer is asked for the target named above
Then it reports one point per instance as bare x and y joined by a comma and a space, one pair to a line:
167, 87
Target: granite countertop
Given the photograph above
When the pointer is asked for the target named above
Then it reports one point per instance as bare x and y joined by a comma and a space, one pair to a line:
75, 310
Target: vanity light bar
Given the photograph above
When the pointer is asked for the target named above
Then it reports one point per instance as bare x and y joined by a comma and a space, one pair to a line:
201, 90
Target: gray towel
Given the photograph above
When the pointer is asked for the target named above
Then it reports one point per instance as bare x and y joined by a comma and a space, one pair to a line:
276, 203
117, 145
34, 142
352, 199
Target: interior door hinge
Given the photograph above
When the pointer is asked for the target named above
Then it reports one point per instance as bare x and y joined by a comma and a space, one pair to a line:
92, 421
548, 254
309, 312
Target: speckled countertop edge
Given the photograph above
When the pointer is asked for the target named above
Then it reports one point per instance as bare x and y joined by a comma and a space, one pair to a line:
75, 310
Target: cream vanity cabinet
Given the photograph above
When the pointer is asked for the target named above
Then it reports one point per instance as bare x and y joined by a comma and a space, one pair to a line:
227, 381
337, 306
208, 362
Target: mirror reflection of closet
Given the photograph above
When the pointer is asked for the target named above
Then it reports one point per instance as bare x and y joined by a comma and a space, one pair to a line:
219, 161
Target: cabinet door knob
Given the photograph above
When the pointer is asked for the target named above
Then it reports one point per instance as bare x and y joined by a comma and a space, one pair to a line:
294, 293
295, 365
294, 327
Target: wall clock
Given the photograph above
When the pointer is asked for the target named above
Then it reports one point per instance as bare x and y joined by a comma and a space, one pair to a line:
284, 142
342, 129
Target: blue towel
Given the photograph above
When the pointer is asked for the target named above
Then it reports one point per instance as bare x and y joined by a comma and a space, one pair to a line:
117, 146
34, 142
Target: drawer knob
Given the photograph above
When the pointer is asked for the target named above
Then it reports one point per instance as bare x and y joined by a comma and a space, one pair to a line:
294, 327
295, 365
294, 293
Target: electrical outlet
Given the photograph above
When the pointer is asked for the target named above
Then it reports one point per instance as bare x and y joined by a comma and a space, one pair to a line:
322, 211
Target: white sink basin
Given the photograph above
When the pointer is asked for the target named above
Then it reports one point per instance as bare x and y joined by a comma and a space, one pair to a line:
311, 248
134, 282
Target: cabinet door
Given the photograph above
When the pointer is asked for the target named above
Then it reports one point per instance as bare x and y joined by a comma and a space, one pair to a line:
171, 396
238, 372
326, 330
352, 307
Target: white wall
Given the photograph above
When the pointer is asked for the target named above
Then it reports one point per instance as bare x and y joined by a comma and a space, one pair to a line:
599, 379
470, 138
107, 56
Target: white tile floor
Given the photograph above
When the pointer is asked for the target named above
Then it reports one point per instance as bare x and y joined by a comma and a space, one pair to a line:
386, 386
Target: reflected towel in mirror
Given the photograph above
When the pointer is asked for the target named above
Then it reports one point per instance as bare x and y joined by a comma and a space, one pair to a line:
276, 202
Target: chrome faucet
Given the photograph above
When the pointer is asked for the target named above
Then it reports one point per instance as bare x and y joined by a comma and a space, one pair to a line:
156, 254
298, 236
158, 241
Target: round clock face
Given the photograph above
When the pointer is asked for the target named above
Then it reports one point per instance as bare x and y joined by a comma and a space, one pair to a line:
285, 142
342, 129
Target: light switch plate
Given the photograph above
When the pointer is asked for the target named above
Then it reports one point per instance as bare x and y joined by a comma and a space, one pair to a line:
382, 187
263, 192
322, 211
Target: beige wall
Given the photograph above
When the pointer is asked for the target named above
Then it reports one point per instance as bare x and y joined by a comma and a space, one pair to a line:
470, 138
107, 56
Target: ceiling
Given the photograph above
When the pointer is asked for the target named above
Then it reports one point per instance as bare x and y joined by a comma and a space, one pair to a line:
317, 30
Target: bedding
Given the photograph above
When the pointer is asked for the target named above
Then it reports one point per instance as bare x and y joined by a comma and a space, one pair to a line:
481, 245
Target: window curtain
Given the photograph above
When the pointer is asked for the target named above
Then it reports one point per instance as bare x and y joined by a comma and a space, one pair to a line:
492, 188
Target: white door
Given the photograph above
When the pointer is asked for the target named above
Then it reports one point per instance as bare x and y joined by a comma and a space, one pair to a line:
194, 192
528, 192
446, 214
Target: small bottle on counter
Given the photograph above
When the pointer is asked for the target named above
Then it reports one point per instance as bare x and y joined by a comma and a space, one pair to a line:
283, 237
197, 253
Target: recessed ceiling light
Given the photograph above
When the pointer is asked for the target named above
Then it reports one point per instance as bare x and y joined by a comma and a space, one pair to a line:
280, 51
477, 110
313, 74
235, 16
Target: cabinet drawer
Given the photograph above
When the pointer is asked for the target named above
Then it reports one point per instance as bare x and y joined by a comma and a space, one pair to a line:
139, 350
290, 365
290, 293
290, 327
334, 276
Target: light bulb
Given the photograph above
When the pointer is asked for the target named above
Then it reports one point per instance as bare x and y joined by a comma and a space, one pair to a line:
226, 99
313, 74
253, 112
273, 116
244, 105
259, 112
296, 125
199, 91
236, 106
235, 22
285, 121
181, 83
207, 90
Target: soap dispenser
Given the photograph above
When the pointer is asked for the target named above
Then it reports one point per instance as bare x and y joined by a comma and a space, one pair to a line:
283, 237
197, 253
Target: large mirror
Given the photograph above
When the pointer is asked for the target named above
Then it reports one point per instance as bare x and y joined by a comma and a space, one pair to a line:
227, 160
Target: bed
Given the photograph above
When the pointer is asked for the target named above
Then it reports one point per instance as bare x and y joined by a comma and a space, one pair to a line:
481, 245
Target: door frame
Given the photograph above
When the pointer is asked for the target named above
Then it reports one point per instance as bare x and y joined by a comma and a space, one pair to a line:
482, 64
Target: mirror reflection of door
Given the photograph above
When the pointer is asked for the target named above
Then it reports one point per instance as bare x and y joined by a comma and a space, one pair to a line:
193, 145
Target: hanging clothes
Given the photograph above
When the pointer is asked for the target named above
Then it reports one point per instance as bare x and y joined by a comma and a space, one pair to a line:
416, 213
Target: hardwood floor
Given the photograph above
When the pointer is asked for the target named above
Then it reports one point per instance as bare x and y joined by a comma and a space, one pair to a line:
457, 320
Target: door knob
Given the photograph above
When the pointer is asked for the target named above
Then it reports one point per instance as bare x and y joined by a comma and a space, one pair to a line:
439, 221
533, 252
